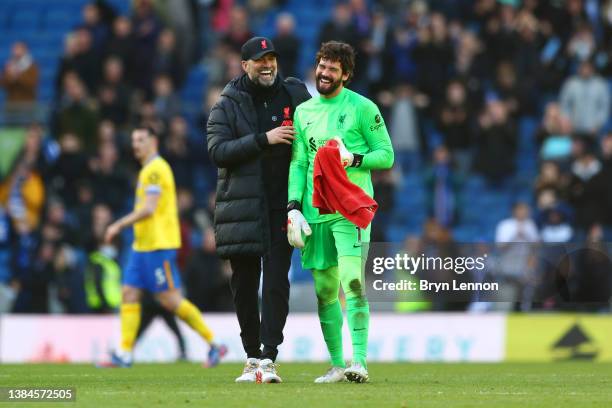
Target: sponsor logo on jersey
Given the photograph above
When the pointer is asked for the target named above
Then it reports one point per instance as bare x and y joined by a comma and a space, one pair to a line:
379, 123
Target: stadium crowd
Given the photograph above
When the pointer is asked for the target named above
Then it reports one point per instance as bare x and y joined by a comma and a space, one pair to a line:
453, 79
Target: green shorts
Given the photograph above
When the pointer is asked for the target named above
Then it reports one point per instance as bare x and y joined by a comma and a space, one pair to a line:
333, 239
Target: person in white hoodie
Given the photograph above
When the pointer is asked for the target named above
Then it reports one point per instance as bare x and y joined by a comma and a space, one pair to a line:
585, 98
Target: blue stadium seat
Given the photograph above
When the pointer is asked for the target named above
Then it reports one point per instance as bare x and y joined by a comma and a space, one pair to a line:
25, 20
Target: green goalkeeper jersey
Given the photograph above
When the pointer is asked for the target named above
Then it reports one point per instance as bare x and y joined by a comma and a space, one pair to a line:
353, 118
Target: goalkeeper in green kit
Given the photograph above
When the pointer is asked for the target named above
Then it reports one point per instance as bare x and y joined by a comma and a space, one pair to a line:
331, 245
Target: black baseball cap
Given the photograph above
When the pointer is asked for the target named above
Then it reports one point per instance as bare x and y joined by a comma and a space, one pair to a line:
256, 48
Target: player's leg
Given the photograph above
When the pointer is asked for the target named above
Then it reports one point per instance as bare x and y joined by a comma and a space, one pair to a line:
275, 295
349, 242
170, 319
166, 284
129, 313
149, 308
319, 254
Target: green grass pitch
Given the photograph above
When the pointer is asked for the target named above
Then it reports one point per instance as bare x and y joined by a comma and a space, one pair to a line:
391, 385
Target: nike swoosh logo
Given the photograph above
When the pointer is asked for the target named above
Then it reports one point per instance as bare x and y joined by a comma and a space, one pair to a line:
363, 328
309, 123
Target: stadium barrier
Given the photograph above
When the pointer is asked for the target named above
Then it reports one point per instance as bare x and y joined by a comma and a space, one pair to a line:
446, 337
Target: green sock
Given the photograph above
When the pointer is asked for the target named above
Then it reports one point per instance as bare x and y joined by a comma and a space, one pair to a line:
358, 316
330, 316
357, 307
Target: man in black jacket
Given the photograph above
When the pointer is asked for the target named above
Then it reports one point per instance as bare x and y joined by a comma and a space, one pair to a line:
250, 130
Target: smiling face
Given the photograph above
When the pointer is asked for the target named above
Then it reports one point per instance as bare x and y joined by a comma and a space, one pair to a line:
330, 77
261, 71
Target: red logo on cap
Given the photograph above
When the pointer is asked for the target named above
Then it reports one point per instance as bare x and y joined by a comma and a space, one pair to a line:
264, 45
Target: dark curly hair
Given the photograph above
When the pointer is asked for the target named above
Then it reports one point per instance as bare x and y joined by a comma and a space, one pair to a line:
337, 51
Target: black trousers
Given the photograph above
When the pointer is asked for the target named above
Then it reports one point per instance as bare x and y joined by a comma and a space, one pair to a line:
247, 271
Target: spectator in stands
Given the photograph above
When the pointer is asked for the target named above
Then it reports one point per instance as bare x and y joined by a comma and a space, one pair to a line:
443, 189
167, 60
68, 277
67, 172
379, 48
166, 101
496, 142
556, 226
86, 62
585, 98
516, 95
92, 22
78, 114
433, 55
516, 256
179, 153
67, 62
33, 278
121, 43
287, 44
22, 193
587, 189
606, 161
404, 129
114, 94
208, 287
239, 31
454, 120
471, 66
519, 228
19, 79
551, 178
384, 183
341, 27
108, 179
146, 29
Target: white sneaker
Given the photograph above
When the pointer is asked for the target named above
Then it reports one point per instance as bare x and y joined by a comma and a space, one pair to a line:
356, 373
249, 374
267, 371
333, 375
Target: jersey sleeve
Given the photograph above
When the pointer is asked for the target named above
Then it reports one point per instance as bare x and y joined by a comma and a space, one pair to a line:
152, 179
374, 130
298, 169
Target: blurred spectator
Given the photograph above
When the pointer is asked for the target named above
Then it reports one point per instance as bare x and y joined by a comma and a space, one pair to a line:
341, 27
443, 189
471, 66
179, 154
69, 280
92, 22
585, 98
102, 277
114, 94
166, 101
384, 183
514, 94
239, 31
606, 161
63, 178
78, 114
454, 120
146, 28
67, 62
379, 49
404, 129
556, 226
108, 179
433, 55
587, 189
86, 62
121, 42
287, 44
551, 178
496, 142
516, 262
519, 228
19, 78
207, 277
22, 193
167, 60
33, 279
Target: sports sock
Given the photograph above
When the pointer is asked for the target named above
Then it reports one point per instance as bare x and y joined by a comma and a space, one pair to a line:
190, 314
327, 285
357, 307
130, 321
330, 316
